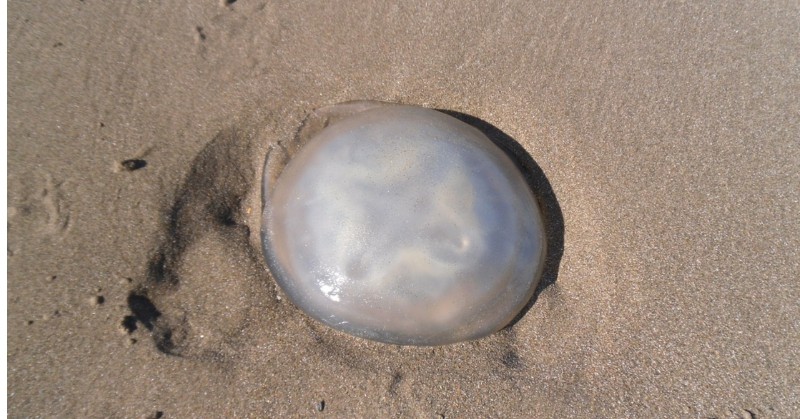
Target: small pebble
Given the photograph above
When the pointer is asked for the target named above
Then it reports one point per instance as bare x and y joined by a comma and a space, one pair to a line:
320, 405
133, 164
97, 300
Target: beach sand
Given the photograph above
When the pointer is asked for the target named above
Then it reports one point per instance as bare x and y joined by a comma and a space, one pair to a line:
666, 142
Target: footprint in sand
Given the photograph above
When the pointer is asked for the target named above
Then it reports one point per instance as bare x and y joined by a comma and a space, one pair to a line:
37, 204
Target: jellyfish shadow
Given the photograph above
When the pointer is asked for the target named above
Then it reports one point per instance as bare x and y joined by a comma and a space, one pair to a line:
545, 197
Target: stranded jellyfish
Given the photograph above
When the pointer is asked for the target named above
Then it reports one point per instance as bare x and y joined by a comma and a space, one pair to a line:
400, 224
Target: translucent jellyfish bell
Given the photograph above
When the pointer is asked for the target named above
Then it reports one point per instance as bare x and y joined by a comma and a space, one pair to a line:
400, 224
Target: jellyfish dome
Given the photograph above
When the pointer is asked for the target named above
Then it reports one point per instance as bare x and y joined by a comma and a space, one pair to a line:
403, 225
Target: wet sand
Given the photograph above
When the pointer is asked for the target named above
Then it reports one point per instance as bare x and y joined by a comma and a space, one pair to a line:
665, 146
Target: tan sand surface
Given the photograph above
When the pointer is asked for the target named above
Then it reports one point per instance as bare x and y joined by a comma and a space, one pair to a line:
668, 132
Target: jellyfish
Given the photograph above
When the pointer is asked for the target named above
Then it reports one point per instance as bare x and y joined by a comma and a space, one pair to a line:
400, 224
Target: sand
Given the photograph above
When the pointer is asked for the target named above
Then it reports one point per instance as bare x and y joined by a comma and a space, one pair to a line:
665, 141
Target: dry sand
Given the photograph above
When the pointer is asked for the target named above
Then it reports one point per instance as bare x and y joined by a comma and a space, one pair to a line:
669, 134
